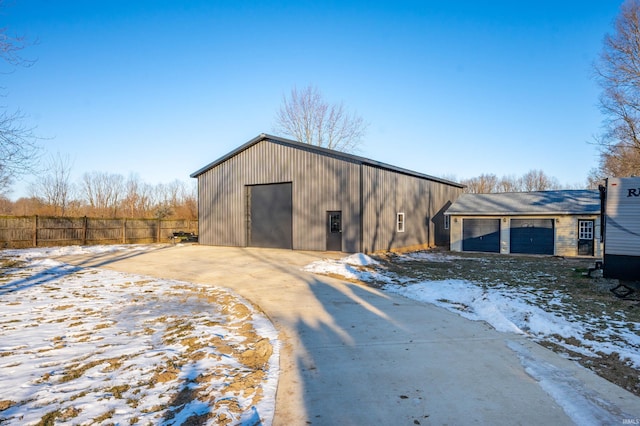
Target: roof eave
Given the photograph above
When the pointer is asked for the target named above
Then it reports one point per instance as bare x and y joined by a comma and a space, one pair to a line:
522, 213
361, 160
228, 155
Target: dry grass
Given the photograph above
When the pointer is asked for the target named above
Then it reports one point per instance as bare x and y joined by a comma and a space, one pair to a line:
194, 324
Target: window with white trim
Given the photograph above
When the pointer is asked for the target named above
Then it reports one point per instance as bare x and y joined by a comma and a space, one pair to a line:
585, 230
400, 222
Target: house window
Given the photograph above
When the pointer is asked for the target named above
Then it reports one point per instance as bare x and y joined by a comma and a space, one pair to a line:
585, 230
400, 222
447, 218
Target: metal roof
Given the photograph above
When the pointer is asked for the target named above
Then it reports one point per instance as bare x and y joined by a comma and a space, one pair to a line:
321, 151
582, 201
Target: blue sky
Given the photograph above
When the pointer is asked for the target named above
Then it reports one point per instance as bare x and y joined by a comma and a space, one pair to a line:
450, 88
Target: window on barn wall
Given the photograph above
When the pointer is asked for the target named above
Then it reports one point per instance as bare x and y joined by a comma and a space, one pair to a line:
447, 218
400, 222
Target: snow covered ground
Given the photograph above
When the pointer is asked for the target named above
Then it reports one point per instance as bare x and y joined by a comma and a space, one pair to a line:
90, 346
539, 314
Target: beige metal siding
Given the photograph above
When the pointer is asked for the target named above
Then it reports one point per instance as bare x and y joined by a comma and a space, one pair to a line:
319, 183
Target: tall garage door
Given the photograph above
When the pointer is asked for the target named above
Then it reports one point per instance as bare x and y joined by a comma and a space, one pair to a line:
270, 216
532, 236
481, 235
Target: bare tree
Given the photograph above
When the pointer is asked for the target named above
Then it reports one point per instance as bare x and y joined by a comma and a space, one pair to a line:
11, 46
483, 184
138, 197
54, 187
618, 73
18, 144
102, 192
19, 150
308, 118
509, 184
536, 180
189, 207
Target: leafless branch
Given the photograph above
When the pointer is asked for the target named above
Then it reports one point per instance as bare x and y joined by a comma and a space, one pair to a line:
618, 74
308, 118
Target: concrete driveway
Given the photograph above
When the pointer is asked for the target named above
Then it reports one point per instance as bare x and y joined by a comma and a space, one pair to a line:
352, 355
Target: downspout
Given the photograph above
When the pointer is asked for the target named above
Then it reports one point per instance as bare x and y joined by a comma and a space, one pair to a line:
603, 210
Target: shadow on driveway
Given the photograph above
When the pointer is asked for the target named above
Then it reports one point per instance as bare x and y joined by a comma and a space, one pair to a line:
352, 355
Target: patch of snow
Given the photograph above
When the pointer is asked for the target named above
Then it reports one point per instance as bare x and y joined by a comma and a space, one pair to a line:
87, 342
583, 406
47, 252
427, 257
360, 259
354, 267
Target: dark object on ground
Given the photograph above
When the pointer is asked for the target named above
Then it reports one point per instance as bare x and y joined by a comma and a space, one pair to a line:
182, 237
623, 292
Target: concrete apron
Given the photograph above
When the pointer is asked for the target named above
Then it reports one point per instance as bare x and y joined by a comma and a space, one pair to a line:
352, 355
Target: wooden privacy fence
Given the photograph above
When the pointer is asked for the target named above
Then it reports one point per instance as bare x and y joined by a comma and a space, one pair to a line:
47, 231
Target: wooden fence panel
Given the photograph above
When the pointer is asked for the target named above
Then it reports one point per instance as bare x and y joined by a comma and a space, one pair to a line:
17, 231
141, 231
56, 231
104, 231
46, 231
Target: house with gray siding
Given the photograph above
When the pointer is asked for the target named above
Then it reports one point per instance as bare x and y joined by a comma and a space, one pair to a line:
561, 223
275, 192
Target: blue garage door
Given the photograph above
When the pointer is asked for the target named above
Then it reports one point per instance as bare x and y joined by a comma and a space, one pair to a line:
481, 235
532, 236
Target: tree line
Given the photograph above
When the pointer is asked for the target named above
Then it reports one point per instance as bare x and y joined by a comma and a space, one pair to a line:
533, 180
102, 194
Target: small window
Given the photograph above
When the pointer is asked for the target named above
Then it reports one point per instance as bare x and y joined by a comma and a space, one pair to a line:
447, 218
585, 230
400, 222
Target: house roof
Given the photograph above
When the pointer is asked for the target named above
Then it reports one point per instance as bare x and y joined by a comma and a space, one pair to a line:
583, 201
321, 151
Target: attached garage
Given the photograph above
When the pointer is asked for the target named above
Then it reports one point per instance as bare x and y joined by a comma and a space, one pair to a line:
561, 223
275, 192
481, 235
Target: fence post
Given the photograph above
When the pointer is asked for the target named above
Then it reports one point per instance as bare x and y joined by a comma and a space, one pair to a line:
124, 231
35, 231
84, 231
159, 224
